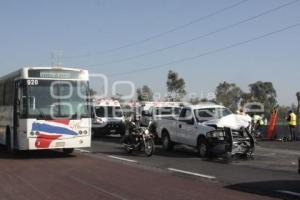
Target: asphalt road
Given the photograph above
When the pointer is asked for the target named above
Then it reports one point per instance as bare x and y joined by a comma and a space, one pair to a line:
105, 171
273, 169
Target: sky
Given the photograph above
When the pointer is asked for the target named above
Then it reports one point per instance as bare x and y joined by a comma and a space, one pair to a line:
101, 36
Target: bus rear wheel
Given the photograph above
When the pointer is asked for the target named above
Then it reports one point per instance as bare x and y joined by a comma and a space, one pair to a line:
68, 151
8, 140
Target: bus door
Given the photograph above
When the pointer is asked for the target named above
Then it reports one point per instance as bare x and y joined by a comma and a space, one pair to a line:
16, 114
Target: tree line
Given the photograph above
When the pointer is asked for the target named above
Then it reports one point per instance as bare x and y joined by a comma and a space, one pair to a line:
227, 94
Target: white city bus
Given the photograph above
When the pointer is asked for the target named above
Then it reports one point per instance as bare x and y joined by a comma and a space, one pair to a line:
45, 108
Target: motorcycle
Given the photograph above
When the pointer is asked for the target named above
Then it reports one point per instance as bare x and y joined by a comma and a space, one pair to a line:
139, 139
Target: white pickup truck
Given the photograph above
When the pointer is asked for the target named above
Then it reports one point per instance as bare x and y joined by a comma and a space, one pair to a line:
210, 128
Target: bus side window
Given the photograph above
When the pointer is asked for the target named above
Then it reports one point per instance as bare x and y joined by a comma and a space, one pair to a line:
23, 106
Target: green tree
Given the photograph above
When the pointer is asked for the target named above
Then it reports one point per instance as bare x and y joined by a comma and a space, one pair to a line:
228, 94
175, 86
144, 94
197, 100
264, 93
282, 114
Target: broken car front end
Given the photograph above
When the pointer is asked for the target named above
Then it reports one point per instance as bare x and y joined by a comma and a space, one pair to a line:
226, 141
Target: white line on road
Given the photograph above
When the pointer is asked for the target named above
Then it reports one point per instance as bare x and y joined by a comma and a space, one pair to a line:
83, 151
289, 192
192, 173
123, 159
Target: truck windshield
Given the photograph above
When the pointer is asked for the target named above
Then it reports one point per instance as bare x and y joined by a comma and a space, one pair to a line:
108, 111
44, 99
167, 111
207, 114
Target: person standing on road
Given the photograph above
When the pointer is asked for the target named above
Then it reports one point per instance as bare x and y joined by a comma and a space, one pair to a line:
257, 123
292, 121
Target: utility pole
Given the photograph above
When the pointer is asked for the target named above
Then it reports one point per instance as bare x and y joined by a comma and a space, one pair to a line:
56, 58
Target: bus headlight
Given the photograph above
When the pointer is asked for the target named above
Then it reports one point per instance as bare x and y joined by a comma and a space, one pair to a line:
85, 132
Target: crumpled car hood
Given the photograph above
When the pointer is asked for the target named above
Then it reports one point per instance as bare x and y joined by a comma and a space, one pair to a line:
233, 121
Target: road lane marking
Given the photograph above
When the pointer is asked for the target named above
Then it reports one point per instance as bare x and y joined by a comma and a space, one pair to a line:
123, 159
289, 192
192, 173
83, 151
97, 188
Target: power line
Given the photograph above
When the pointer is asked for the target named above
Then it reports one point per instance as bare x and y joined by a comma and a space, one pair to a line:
182, 26
207, 53
198, 37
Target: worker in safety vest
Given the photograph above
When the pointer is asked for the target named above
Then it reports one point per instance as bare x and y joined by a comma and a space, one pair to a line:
292, 121
257, 121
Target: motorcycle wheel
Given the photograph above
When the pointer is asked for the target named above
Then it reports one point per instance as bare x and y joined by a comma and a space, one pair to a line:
149, 147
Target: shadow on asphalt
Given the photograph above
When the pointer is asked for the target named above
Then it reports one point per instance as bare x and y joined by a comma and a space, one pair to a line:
38, 154
270, 188
110, 139
179, 151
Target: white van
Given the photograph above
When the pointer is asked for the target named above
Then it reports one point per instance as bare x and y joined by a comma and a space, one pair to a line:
108, 118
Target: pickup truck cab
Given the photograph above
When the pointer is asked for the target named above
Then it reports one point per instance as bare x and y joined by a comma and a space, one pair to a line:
210, 128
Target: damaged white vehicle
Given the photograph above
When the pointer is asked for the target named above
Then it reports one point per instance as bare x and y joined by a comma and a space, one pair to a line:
212, 129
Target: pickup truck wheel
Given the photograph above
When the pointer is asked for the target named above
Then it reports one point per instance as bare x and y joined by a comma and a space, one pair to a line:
167, 143
203, 148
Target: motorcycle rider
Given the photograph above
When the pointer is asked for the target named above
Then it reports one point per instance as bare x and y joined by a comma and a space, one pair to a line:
132, 129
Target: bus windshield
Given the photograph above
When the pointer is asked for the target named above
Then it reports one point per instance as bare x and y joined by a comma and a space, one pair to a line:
45, 99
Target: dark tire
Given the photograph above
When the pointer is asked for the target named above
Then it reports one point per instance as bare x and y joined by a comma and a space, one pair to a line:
93, 133
203, 149
167, 144
228, 158
122, 133
68, 151
149, 147
8, 140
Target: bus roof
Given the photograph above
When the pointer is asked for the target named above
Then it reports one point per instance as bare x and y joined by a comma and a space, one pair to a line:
48, 73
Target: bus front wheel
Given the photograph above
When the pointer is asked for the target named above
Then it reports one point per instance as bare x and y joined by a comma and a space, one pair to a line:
68, 151
8, 140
